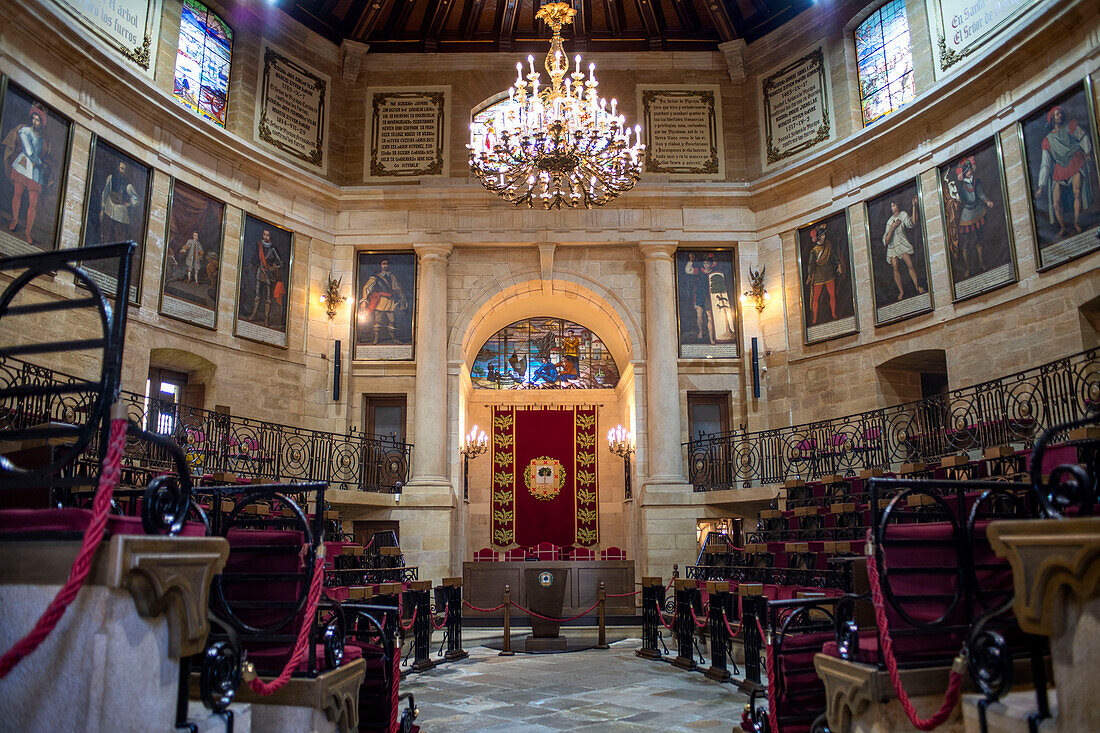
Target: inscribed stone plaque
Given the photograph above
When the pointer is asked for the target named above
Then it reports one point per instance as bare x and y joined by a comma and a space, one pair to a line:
682, 127
796, 107
292, 108
127, 26
408, 132
959, 27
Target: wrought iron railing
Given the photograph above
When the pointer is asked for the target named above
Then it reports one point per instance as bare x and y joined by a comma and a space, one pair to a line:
1010, 410
215, 442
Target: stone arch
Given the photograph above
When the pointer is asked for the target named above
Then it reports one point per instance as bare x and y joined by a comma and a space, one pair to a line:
570, 296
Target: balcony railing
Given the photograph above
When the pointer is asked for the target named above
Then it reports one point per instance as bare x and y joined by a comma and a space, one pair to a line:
216, 443
1010, 410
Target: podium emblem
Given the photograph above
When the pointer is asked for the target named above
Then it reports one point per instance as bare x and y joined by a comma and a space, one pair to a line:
544, 477
545, 579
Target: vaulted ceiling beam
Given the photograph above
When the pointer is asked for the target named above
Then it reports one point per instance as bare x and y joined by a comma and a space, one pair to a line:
689, 19
507, 11
471, 18
653, 24
721, 20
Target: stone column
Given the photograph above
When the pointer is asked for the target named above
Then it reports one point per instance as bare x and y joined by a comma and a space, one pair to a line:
430, 414
665, 464
426, 509
666, 511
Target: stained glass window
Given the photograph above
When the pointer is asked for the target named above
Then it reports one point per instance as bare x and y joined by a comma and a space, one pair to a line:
202, 62
884, 58
544, 353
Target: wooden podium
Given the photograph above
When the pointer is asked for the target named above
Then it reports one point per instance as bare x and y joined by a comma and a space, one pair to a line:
545, 591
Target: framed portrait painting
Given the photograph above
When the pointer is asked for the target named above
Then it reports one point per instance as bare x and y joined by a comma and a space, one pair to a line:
263, 282
706, 315
825, 275
898, 253
36, 141
1059, 150
191, 273
976, 222
385, 305
116, 209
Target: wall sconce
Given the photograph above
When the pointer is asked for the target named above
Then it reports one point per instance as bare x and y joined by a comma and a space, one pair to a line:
620, 441
473, 445
756, 294
331, 298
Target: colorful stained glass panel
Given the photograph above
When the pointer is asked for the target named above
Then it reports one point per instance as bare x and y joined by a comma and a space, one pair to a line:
884, 59
202, 62
544, 353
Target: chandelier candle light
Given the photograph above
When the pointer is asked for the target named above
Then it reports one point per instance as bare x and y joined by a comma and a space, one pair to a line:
620, 441
474, 444
560, 145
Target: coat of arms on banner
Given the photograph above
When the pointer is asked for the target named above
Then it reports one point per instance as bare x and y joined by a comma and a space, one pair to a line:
544, 477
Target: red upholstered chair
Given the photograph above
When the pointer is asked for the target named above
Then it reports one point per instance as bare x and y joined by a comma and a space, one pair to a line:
613, 553
546, 551
486, 554
516, 553
584, 553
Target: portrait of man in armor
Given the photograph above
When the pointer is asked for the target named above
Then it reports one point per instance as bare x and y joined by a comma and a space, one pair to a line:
33, 142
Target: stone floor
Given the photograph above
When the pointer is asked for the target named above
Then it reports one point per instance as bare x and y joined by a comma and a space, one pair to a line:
592, 690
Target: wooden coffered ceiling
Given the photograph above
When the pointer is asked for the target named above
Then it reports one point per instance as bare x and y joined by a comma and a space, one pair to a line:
443, 26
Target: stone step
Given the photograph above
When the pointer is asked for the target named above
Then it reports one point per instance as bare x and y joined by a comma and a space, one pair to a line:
206, 721
1010, 713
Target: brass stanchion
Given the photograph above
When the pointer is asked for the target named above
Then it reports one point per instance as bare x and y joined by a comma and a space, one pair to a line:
601, 596
506, 651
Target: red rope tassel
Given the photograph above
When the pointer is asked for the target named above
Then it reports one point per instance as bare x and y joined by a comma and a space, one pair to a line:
82, 565
302, 645
886, 643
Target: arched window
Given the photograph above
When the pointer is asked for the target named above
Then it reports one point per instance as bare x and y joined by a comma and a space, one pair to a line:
544, 353
202, 62
884, 58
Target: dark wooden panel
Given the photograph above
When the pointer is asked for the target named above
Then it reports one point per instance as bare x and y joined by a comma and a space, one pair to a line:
483, 583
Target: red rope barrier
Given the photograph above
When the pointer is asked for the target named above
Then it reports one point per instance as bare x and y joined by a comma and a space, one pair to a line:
412, 620
395, 680
483, 610
698, 623
559, 620
661, 615
773, 692
82, 565
622, 595
886, 643
301, 646
442, 625
733, 634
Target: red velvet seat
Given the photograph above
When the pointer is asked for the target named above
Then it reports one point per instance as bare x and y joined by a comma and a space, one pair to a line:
584, 553
613, 553
486, 555
77, 520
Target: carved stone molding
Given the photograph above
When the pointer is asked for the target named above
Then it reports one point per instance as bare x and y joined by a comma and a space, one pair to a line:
167, 576
734, 53
1046, 556
335, 692
851, 688
352, 54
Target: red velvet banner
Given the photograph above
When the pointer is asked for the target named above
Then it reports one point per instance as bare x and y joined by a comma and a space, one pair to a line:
544, 477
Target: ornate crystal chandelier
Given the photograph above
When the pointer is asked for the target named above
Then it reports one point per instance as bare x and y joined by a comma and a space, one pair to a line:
560, 146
